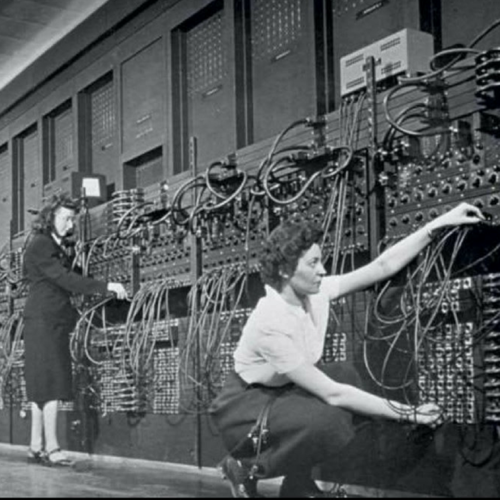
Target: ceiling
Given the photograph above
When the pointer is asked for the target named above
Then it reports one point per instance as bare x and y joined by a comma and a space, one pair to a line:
29, 27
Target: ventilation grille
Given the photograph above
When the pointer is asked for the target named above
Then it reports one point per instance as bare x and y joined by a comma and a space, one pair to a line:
103, 116
148, 170
355, 83
206, 55
4, 174
355, 60
63, 139
390, 44
276, 25
31, 164
391, 68
342, 7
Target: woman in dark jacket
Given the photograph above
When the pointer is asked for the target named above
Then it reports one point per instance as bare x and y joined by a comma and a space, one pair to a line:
49, 317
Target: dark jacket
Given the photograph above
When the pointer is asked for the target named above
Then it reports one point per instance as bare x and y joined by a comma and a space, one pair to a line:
51, 281
49, 318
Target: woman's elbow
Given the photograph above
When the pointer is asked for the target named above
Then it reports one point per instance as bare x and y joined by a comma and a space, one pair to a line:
342, 395
384, 268
336, 398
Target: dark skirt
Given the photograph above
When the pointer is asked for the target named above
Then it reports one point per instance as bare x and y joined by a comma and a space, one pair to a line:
303, 430
47, 360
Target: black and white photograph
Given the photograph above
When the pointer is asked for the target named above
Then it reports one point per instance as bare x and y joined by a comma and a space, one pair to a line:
250, 248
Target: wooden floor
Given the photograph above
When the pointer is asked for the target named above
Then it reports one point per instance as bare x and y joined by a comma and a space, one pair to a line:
114, 477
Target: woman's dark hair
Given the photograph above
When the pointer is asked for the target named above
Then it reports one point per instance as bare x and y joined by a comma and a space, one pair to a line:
44, 222
283, 249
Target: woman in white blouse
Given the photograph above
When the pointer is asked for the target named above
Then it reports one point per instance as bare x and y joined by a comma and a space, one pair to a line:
296, 413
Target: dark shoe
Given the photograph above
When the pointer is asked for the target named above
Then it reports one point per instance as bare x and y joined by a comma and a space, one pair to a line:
36, 457
56, 458
242, 486
338, 491
306, 488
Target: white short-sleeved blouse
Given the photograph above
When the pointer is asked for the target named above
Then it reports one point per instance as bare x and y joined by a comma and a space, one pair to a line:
279, 337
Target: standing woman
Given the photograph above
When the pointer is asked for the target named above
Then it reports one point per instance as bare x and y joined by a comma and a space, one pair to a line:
49, 318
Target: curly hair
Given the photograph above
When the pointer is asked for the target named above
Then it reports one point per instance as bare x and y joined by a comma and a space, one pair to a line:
44, 222
283, 249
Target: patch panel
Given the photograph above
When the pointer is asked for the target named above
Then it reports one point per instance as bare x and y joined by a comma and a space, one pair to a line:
166, 390
335, 349
446, 371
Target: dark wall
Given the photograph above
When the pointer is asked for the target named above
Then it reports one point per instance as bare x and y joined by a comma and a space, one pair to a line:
463, 21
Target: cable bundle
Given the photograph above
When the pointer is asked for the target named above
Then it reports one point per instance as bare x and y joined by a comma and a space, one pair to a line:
99, 348
488, 76
206, 194
12, 358
122, 206
214, 313
428, 329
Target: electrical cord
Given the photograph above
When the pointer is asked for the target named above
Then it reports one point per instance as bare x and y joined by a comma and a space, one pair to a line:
393, 122
461, 51
419, 318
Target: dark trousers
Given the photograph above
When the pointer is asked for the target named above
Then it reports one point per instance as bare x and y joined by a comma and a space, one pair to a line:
307, 435
304, 431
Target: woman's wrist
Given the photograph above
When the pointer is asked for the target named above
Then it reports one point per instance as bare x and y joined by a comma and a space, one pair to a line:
407, 414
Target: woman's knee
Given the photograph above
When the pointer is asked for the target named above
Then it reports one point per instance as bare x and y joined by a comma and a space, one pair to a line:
331, 427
